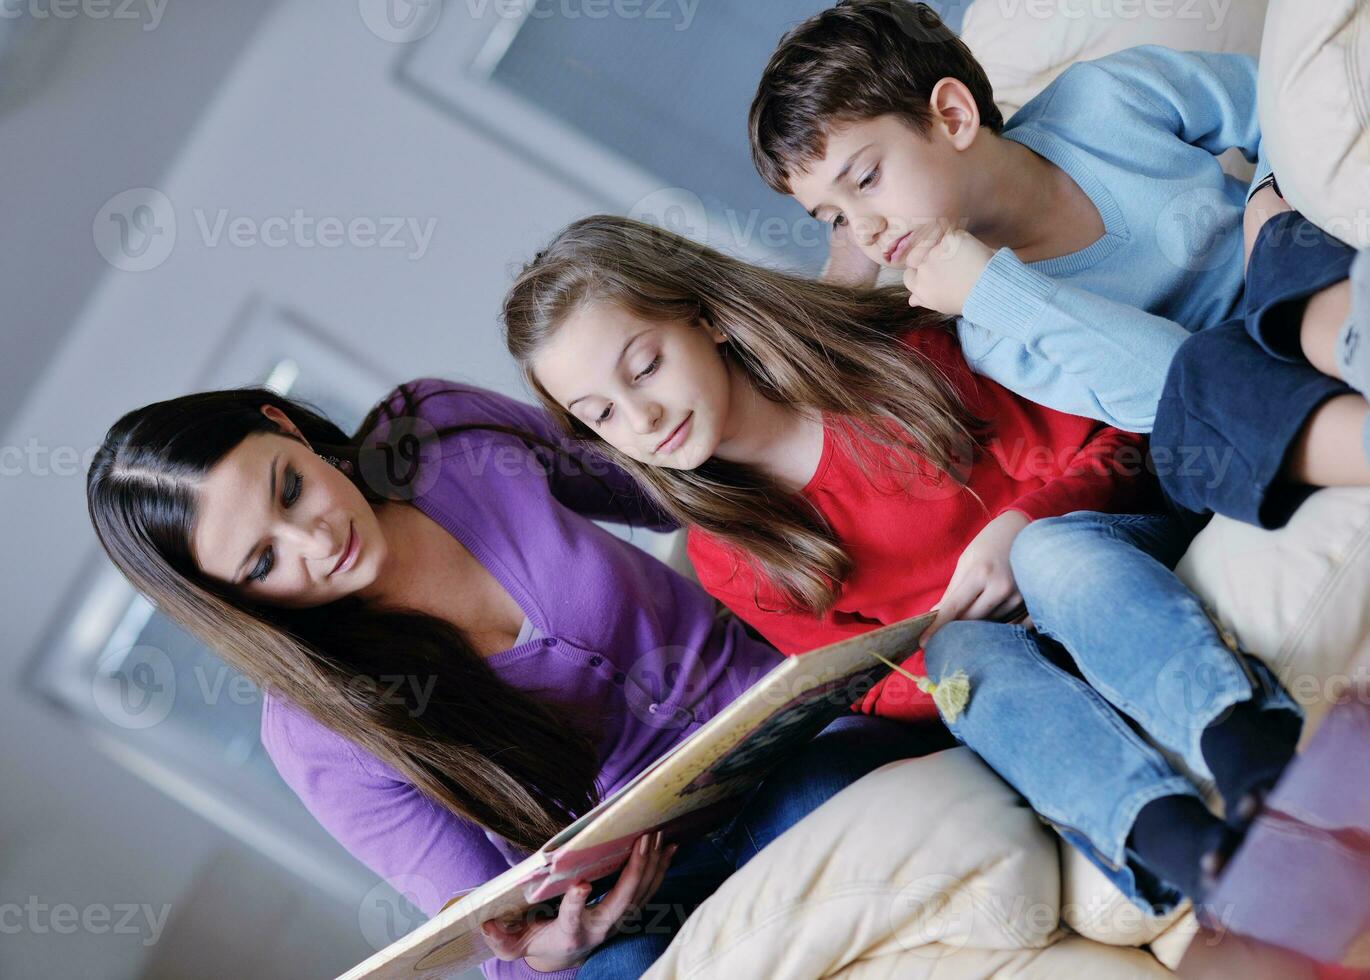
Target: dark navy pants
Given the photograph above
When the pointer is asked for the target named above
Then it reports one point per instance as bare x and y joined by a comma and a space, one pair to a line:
1239, 393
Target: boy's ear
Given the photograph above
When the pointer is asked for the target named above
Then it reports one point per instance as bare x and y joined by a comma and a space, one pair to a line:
955, 112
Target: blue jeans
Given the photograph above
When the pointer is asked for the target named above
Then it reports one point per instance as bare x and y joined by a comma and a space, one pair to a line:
1120, 647
842, 753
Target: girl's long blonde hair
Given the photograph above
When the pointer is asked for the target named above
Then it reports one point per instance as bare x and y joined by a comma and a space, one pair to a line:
801, 343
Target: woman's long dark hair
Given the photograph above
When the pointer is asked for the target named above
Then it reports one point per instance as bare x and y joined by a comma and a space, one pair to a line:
518, 765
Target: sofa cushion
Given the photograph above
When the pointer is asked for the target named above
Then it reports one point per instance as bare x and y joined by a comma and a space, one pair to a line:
1314, 92
1024, 44
933, 854
1295, 597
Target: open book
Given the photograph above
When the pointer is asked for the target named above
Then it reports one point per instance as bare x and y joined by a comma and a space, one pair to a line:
687, 790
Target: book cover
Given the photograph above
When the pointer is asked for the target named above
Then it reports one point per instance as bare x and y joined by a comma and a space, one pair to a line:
686, 791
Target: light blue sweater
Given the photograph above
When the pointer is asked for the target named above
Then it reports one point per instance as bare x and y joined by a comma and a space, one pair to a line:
1093, 332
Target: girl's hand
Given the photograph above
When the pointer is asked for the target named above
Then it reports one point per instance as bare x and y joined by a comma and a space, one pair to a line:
982, 587
549, 945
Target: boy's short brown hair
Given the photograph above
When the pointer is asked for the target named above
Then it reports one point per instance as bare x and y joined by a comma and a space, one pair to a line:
857, 60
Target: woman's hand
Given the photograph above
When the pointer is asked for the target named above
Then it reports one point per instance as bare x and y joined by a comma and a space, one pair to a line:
982, 587
549, 945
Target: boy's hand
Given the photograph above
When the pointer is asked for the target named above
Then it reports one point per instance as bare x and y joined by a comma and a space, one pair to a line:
943, 268
982, 587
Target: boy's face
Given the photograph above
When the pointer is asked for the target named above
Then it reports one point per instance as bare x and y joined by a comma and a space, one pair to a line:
887, 184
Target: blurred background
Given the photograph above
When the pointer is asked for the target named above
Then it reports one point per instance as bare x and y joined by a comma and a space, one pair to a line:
330, 196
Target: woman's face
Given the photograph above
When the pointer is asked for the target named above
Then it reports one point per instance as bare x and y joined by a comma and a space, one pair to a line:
273, 520
658, 391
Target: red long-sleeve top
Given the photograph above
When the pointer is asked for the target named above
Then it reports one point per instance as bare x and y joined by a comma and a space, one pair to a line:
904, 540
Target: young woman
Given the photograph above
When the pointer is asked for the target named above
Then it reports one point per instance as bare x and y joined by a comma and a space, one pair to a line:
839, 468
455, 660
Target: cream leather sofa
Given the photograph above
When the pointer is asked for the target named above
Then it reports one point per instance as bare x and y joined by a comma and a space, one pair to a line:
934, 867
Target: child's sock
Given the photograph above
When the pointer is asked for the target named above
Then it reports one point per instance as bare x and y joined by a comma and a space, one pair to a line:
1353, 342
1180, 840
1247, 751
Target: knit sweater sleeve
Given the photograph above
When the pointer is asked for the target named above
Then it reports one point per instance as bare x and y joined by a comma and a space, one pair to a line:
1205, 98
1067, 347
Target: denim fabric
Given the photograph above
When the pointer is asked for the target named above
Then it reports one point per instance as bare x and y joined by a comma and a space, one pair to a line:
842, 753
1238, 394
1120, 648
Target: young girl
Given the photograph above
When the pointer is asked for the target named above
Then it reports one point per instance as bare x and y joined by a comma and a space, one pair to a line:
438, 697
840, 468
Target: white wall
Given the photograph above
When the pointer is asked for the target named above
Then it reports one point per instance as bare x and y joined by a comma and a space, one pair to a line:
308, 118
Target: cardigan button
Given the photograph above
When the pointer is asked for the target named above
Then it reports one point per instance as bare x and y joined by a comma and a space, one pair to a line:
596, 660
549, 641
619, 677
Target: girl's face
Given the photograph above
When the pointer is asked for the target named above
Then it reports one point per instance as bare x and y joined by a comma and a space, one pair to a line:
274, 520
658, 391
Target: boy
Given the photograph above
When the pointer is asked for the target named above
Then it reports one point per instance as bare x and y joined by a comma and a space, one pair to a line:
1079, 244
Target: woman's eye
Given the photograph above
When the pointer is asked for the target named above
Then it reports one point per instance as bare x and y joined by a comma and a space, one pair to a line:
649, 369
839, 220
604, 415
869, 179
295, 485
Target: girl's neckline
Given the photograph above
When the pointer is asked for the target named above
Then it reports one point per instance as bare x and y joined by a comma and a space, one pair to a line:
824, 460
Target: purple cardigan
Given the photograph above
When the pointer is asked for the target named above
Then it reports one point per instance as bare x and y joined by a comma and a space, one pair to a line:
622, 636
